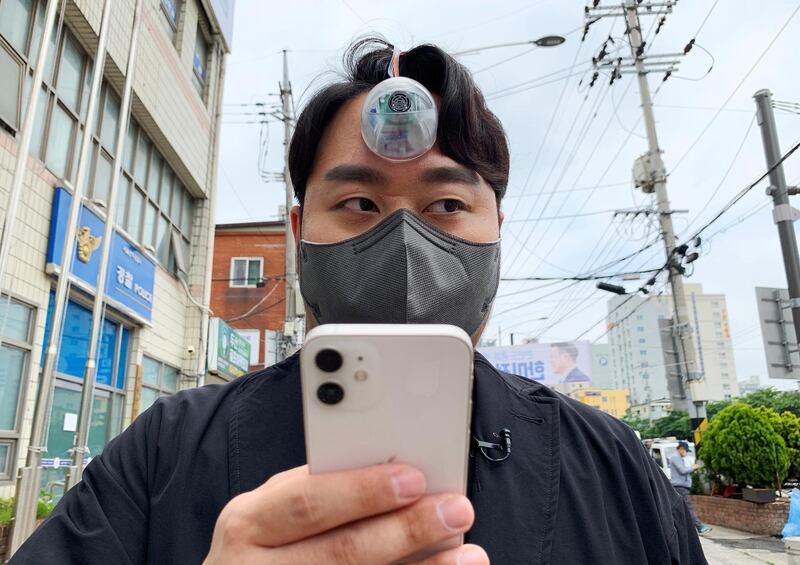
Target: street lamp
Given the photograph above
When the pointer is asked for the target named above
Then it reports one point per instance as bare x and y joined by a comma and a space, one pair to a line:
608, 287
545, 41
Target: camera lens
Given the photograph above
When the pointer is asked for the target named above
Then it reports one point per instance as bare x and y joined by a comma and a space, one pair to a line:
330, 393
329, 360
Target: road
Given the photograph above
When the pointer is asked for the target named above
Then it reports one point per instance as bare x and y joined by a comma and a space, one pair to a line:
724, 546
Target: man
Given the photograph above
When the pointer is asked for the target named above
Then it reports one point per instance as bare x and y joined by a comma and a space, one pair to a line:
217, 475
563, 360
681, 478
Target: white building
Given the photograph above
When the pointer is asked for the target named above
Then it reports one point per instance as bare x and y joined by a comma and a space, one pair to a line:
602, 373
151, 335
750, 384
637, 344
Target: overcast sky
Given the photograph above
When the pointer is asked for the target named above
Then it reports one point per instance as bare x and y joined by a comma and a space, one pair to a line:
582, 165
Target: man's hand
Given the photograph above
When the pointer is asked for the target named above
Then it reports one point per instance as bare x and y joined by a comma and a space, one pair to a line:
374, 515
695, 467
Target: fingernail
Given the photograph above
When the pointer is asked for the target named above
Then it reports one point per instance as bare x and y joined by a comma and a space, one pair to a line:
409, 484
472, 556
455, 513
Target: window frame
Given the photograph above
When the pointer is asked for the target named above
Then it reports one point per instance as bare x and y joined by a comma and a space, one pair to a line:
68, 381
160, 390
232, 280
201, 82
166, 18
12, 437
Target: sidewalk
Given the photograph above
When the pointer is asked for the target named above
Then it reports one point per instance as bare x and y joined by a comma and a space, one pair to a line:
724, 546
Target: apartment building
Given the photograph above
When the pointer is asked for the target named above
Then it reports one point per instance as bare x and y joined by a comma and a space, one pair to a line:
159, 262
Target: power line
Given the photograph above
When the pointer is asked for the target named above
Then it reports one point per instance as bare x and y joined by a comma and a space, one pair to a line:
579, 278
573, 152
735, 90
745, 190
733, 161
577, 189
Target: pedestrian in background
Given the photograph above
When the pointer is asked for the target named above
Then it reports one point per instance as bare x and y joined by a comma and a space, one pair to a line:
681, 478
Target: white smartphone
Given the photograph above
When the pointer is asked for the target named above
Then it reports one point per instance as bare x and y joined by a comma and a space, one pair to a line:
377, 393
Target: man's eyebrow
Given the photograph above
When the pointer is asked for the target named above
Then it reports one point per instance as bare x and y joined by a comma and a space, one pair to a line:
355, 173
444, 175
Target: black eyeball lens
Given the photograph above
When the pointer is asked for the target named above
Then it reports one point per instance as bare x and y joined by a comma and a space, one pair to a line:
329, 360
330, 393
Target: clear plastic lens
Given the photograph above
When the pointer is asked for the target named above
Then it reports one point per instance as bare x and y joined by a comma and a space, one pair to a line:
398, 121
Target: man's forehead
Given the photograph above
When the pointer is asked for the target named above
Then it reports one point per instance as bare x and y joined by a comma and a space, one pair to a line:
343, 156
431, 174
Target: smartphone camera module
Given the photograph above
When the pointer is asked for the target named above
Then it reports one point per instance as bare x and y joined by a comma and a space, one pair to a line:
330, 393
329, 360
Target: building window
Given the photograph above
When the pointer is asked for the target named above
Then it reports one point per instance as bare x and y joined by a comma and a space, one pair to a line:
169, 17
61, 104
639, 329
642, 340
642, 352
254, 338
246, 272
158, 379
153, 202
200, 62
15, 322
109, 392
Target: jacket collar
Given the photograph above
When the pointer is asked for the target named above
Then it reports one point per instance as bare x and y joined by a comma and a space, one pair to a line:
515, 500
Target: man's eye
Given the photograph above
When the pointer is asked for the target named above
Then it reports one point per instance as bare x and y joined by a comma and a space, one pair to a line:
446, 206
360, 205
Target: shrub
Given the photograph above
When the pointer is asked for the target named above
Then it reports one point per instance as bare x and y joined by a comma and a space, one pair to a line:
6, 510
742, 445
788, 427
44, 506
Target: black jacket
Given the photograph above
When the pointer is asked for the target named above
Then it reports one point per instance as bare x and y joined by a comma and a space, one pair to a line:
577, 488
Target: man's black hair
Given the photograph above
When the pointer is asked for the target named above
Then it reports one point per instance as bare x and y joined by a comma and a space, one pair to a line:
468, 132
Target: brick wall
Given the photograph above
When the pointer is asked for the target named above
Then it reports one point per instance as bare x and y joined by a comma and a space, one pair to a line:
763, 519
227, 302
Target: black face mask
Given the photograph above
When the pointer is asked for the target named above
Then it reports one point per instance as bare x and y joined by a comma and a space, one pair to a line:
403, 270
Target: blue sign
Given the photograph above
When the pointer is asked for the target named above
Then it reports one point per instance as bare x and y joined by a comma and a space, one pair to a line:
131, 274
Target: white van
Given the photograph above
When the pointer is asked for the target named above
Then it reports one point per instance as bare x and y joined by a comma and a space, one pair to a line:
661, 450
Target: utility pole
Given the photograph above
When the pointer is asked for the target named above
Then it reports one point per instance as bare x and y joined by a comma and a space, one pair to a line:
28, 480
692, 381
290, 270
80, 448
28, 483
782, 212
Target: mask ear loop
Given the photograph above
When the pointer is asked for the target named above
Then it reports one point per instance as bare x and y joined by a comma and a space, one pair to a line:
394, 64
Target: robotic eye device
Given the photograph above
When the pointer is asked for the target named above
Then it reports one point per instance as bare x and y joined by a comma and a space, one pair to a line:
399, 117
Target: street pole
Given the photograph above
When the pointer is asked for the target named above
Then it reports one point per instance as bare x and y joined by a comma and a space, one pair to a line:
686, 350
23, 149
28, 483
290, 268
27, 488
80, 448
782, 212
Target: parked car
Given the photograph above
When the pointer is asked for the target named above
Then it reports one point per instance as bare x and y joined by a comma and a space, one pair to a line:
662, 448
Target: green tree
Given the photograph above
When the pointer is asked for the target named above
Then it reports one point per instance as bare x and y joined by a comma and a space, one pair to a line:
676, 423
714, 407
742, 445
778, 400
637, 423
788, 426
